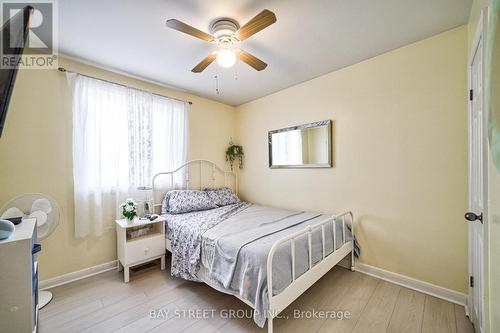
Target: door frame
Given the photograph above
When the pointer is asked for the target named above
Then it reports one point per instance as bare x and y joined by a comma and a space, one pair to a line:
480, 35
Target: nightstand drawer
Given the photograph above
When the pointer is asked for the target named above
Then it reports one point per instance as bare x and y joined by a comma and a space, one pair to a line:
144, 248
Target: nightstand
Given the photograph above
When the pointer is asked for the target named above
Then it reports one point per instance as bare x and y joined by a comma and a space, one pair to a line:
138, 249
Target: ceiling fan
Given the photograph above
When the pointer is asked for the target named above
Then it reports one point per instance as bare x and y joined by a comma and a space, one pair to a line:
226, 33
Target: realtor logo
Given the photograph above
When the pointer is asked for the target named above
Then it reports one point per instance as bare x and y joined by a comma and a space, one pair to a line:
38, 41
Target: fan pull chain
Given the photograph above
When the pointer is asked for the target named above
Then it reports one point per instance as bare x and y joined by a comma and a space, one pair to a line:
235, 73
217, 80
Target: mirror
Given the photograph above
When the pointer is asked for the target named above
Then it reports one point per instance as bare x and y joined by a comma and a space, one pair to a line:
303, 146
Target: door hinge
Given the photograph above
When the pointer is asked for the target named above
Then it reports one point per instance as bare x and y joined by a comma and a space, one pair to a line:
471, 281
471, 95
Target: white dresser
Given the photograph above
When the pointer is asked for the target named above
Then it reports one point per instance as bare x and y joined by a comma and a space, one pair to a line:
19, 280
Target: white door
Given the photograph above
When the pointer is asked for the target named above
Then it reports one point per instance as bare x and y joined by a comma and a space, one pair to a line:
476, 187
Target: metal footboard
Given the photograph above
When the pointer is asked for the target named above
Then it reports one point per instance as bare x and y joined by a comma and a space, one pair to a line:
299, 285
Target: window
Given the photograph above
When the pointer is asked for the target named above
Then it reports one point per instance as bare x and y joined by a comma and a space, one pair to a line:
121, 138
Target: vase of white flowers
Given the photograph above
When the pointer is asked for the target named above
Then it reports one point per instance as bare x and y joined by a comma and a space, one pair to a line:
129, 209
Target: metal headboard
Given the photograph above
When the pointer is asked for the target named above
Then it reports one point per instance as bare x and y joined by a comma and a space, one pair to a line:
196, 175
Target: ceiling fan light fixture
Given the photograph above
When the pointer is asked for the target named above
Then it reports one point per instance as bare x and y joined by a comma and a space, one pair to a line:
226, 58
226, 33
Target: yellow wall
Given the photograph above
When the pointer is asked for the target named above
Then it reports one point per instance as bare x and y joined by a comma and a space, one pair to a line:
400, 155
36, 155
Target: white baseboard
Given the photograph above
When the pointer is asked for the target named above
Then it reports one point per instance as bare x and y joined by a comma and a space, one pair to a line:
73, 276
411, 283
402, 280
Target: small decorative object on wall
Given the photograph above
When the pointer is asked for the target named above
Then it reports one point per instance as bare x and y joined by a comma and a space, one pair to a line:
129, 209
234, 152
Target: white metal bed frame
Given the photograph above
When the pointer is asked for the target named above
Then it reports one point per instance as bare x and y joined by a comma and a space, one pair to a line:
277, 303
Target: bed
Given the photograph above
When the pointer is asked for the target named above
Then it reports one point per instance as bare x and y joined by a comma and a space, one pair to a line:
246, 249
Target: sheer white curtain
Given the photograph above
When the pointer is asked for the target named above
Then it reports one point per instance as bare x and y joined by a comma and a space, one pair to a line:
287, 148
121, 137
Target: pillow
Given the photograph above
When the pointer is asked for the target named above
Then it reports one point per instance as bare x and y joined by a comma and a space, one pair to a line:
222, 196
164, 203
185, 201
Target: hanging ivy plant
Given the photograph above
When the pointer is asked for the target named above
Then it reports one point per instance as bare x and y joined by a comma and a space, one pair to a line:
233, 153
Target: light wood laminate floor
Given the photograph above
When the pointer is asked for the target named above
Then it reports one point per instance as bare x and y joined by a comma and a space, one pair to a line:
103, 303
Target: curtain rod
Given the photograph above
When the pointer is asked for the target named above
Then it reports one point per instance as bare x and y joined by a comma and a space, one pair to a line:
63, 70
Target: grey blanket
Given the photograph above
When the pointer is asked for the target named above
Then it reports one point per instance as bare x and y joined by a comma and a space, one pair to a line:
231, 249
256, 223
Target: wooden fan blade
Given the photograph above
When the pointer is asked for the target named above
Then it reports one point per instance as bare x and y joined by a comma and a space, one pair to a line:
187, 29
251, 60
264, 19
204, 63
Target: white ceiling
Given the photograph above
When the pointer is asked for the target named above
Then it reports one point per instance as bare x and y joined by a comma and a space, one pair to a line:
309, 39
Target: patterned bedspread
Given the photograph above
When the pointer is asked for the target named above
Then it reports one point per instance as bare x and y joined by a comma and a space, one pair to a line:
185, 232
